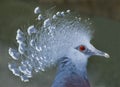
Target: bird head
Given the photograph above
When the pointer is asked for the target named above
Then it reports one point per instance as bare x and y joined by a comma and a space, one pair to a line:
90, 50
80, 53
54, 37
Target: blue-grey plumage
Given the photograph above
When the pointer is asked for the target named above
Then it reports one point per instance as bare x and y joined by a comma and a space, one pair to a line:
60, 39
69, 75
72, 70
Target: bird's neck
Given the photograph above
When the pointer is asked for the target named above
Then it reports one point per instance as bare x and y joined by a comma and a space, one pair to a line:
72, 70
78, 59
70, 74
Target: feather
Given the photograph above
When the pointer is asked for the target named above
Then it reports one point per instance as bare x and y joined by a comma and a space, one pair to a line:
69, 75
50, 40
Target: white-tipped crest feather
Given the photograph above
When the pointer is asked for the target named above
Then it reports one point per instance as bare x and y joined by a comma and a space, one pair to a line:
51, 41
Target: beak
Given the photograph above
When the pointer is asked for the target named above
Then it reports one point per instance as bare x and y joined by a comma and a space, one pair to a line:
100, 53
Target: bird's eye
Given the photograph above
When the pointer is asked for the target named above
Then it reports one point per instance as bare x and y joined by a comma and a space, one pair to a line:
82, 48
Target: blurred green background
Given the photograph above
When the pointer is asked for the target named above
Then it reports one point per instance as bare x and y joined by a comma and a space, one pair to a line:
105, 17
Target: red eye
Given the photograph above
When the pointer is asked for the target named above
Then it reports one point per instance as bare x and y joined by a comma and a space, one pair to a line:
82, 48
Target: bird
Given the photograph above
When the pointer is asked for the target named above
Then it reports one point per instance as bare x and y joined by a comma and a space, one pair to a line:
58, 39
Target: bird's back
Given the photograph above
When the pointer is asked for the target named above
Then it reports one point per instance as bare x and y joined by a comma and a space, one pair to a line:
69, 76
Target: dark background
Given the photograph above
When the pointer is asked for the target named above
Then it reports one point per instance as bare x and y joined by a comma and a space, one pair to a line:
105, 17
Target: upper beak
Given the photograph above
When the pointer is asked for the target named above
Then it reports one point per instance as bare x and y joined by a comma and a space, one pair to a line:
100, 53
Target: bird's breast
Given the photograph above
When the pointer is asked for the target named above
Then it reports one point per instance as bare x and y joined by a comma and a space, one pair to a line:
76, 81
69, 76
